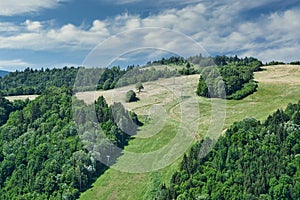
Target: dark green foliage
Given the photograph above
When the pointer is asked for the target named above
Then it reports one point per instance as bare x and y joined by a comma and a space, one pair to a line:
247, 89
36, 81
110, 77
175, 60
45, 155
202, 89
32, 81
102, 110
252, 160
232, 78
134, 75
130, 96
188, 70
139, 86
225, 60
275, 63
295, 63
7, 107
116, 77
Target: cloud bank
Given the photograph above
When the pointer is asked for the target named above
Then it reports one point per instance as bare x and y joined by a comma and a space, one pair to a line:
221, 28
17, 7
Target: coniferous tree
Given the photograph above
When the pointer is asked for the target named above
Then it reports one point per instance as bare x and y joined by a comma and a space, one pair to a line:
202, 89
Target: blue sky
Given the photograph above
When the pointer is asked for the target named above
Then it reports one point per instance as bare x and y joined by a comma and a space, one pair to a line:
55, 33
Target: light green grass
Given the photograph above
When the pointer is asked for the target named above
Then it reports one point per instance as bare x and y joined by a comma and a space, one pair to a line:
270, 96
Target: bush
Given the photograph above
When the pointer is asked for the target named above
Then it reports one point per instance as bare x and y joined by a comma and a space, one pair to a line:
131, 96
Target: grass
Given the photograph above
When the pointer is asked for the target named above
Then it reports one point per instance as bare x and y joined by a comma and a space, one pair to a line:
278, 86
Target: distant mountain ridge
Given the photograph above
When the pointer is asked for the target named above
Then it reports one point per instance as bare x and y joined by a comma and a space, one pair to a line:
3, 73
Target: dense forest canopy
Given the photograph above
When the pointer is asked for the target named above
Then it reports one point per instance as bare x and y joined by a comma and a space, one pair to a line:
36, 81
253, 160
45, 154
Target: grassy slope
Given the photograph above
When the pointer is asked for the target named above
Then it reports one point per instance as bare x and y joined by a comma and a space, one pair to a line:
278, 86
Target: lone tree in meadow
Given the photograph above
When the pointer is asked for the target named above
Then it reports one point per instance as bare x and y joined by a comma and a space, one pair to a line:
202, 89
139, 86
131, 96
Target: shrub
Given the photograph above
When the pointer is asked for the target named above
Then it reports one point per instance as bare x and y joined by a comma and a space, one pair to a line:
131, 96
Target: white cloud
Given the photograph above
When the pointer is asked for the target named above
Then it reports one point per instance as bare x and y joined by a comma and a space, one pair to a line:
17, 7
4, 64
33, 25
216, 26
7, 27
33, 35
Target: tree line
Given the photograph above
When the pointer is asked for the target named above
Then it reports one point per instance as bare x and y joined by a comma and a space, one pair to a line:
233, 73
31, 81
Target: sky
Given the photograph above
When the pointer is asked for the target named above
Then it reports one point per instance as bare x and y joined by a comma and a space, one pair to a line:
58, 33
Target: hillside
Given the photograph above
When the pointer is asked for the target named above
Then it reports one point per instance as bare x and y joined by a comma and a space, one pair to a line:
273, 83
253, 160
43, 153
173, 118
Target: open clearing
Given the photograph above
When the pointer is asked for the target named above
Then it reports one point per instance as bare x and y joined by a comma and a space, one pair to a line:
278, 86
21, 97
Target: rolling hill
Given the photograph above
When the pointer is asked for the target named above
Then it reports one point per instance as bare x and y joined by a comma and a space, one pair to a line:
278, 86
174, 118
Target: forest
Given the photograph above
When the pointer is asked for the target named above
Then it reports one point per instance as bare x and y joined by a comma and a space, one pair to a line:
253, 160
45, 154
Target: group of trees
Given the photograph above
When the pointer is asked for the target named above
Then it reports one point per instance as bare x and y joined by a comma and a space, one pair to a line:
36, 81
140, 74
275, 63
45, 154
32, 81
253, 160
6, 107
232, 79
295, 63
131, 95
173, 60
188, 70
